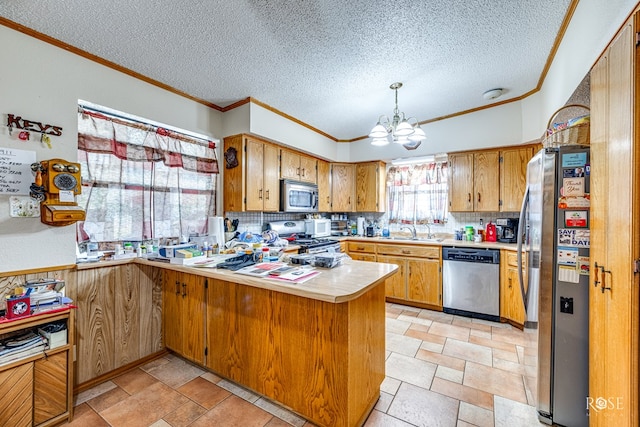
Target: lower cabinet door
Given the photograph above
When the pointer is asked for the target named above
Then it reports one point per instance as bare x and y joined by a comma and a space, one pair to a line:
16, 389
50, 387
396, 285
423, 283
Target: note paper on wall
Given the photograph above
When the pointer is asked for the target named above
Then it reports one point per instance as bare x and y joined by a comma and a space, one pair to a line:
15, 171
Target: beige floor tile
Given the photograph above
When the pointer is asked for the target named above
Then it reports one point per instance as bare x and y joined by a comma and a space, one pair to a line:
514, 367
134, 381
450, 331
509, 356
390, 385
430, 346
410, 370
157, 401
93, 392
175, 373
402, 344
488, 342
233, 412
441, 359
280, 412
475, 415
463, 393
84, 416
449, 374
495, 381
203, 392
436, 316
410, 403
380, 419
508, 413
397, 326
384, 401
107, 399
413, 333
422, 327
468, 351
479, 334
185, 415
415, 320
513, 336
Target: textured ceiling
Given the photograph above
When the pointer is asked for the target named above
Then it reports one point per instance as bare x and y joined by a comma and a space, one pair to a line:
328, 63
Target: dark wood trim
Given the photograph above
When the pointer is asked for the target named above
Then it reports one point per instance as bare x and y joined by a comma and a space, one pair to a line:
37, 270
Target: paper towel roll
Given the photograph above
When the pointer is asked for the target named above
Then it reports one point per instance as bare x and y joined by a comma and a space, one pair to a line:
216, 230
360, 226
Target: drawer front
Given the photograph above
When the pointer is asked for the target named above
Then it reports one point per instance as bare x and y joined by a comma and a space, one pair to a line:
512, 259
362, 247
413, 251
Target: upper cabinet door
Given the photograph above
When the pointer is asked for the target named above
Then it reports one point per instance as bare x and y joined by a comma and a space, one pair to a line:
370, 187
461, 182
271, 193
513, 177
289, 165
486, 170
324, 186
342, 187
255, 178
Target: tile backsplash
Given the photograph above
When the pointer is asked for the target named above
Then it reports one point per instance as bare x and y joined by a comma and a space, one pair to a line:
255, 222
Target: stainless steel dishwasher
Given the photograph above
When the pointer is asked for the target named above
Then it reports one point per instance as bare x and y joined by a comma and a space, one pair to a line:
471, 282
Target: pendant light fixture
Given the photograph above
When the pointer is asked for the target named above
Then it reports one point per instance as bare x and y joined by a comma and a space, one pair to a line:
399, 129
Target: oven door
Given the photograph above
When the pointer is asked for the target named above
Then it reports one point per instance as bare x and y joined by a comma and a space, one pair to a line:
298, 197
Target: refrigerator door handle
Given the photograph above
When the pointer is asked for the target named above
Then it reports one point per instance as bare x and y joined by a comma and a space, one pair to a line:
519, 241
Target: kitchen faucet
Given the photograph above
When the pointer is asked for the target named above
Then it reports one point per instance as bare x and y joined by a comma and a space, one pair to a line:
412, 229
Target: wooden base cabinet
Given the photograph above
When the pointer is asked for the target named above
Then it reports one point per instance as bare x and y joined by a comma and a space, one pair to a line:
327, 367
183, 296
511, 302
38, 390
419, 279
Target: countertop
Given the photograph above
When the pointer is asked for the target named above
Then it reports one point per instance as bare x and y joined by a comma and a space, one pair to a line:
441, 242
343, 283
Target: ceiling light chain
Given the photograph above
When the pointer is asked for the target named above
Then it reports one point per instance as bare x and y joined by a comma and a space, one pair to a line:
398, 129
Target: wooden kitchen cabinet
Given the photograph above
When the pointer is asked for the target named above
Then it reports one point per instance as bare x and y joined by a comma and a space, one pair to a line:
38, 390
119, 317
511, 301
474, 182
324, 186
371, 187
362, 251
297, 166
343, 187
253, 184
513, 177
184, 317
419, 279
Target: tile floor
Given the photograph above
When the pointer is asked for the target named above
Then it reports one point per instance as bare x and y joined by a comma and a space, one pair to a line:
441, 370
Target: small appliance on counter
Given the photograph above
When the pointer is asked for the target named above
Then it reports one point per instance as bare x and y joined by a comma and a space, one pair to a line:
507, 230
340, 227
318, 227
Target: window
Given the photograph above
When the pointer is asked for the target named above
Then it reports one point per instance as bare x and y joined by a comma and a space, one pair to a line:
418, 193
141, 181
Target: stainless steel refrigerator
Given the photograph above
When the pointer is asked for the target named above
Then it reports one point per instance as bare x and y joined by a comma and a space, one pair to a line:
555, 242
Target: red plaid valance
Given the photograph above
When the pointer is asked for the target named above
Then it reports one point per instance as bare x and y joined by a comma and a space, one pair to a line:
100, 133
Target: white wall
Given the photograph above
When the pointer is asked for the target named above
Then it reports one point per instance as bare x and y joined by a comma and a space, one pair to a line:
44, 83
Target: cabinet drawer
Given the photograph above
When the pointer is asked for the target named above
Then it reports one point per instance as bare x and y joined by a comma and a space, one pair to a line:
512, 259
413, 251
362, 247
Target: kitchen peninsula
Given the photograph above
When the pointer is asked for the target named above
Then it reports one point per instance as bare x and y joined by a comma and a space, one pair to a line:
317, 348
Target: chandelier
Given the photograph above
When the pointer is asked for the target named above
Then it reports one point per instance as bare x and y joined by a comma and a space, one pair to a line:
398, 130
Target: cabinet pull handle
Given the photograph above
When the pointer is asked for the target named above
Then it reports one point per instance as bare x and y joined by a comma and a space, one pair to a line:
603, 287
184, 290
360, 248
469, 197
304, 172
267, 194
406, 251
177, 287
478, 197
298, 171
328, 199
260, 194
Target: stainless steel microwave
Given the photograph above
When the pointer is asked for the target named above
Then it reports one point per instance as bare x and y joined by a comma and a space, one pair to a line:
298, 196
